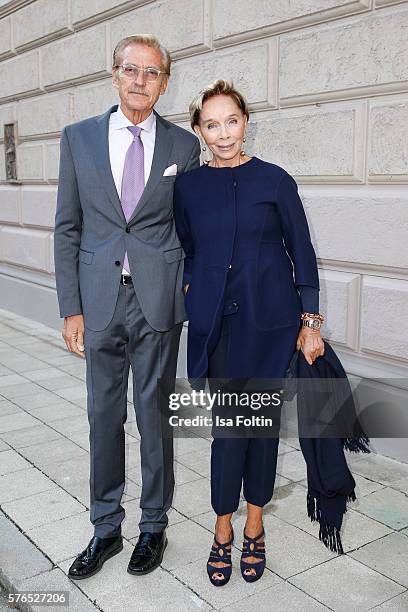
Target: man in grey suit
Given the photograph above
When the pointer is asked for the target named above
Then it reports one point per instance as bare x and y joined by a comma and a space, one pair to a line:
119, 266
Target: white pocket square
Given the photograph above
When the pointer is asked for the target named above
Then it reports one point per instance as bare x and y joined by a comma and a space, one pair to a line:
171, 170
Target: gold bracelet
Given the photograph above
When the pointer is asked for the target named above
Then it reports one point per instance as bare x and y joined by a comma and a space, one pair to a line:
311, 315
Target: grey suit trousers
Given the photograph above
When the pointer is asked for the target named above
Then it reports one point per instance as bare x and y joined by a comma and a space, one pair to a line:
128, 341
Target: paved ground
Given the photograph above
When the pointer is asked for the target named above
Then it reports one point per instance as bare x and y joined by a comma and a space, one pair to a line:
44, 512
4, 604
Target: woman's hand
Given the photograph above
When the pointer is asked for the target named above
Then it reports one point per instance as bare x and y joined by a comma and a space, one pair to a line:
311, 344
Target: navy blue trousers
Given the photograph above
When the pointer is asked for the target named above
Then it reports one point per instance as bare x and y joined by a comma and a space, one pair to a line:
238, 462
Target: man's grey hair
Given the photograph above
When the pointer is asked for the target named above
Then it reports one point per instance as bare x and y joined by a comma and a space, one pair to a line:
142, 39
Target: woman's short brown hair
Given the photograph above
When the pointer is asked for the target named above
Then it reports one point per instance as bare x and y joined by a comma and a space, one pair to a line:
221, 86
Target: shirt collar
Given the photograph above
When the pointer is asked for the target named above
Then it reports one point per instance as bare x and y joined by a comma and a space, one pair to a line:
120, 121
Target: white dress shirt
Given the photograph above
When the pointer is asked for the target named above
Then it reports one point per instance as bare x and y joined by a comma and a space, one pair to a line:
120, 139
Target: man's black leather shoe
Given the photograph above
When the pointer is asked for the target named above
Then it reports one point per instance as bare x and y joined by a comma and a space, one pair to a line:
94, 556
148, 553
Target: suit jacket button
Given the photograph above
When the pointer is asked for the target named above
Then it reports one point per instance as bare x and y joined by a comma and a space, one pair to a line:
127, 230
117, 263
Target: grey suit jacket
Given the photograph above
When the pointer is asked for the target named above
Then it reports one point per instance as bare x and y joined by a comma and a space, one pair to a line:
91, 233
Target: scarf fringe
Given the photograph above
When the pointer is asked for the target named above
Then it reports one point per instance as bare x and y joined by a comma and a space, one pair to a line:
357, 445
328, 534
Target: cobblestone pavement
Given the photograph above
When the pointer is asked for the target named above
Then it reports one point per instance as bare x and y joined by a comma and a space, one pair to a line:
44, 508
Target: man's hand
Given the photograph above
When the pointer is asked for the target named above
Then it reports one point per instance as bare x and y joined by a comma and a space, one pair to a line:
73, 334
311, 344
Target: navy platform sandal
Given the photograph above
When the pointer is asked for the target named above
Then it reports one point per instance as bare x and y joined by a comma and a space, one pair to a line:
220, 553
252, 548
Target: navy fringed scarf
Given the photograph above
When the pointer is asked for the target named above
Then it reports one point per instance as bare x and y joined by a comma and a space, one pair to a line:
328, 424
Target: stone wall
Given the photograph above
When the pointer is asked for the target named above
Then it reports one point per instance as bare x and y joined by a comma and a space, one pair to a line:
327, 82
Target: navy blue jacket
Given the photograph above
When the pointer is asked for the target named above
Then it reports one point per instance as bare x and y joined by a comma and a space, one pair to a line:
251, 217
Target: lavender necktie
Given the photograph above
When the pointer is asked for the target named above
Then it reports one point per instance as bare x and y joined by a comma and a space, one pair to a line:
133, 178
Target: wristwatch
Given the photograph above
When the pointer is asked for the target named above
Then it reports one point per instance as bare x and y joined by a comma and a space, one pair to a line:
312, 323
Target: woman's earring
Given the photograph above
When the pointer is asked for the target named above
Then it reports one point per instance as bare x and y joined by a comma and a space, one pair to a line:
243, 140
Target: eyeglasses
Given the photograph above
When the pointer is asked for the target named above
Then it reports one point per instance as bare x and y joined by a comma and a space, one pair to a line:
132, 72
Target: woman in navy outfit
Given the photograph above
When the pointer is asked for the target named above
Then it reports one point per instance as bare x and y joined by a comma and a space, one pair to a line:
250, 273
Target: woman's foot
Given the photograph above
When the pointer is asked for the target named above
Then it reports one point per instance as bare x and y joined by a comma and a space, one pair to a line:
253, 559
219, 565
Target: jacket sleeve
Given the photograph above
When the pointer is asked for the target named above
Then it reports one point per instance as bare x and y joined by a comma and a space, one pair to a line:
184, 232
67, 234
296, 233
309, 297
194, 161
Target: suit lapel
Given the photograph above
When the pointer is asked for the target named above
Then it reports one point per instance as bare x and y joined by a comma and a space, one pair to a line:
162, 148
103, 161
